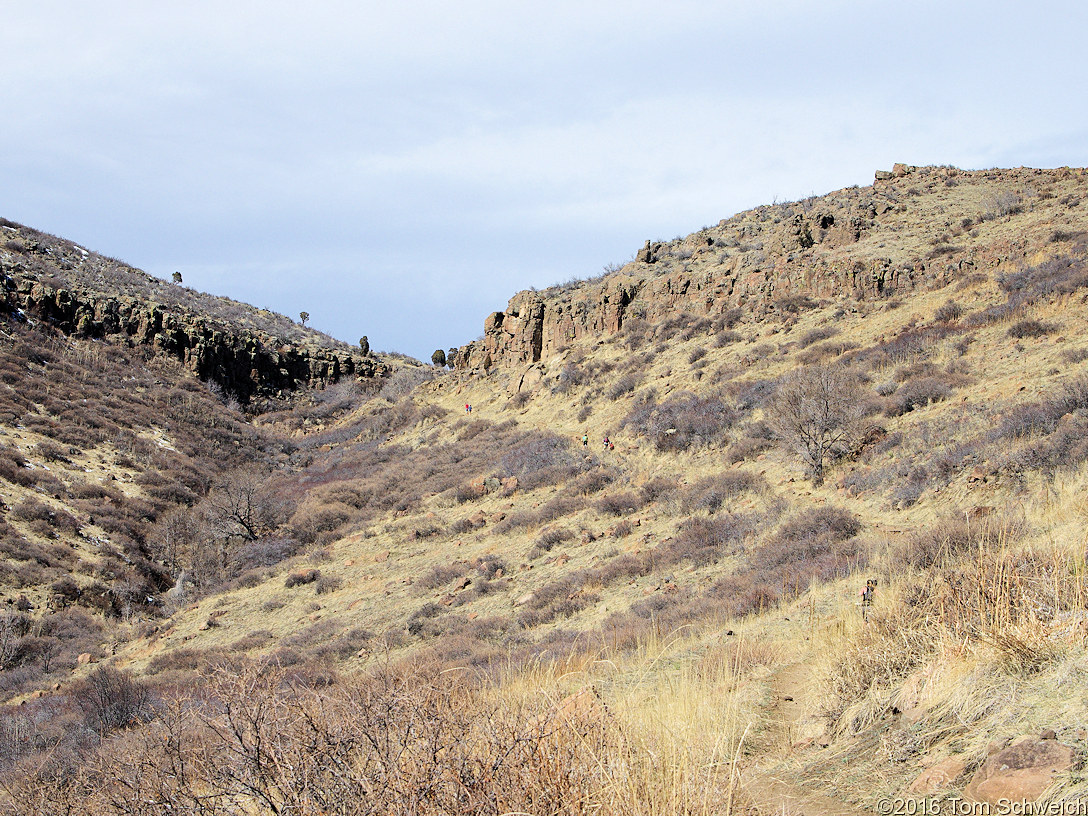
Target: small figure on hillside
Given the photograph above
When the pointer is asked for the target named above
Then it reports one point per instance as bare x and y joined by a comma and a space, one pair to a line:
611, 446
585, 440
468, 408
867, 597
606, 443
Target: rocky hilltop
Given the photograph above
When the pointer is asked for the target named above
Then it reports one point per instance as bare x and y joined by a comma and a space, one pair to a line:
913, 228
249, 353
786, 515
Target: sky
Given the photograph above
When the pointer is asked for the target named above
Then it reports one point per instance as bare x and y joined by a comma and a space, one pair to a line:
400, 169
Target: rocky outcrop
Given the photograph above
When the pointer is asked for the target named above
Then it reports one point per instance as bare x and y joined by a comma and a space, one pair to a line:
246, 364
909, 230
1021, 772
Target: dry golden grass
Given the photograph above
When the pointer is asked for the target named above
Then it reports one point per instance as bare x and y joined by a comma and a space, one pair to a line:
688, 710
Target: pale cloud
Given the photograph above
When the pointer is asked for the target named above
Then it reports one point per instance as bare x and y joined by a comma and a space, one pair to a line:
404, 167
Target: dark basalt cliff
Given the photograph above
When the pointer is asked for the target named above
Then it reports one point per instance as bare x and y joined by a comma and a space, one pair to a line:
913, 228
246, 363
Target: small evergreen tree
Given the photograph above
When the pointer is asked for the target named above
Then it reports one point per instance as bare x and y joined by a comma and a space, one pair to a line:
364, 345
439, 358
177, 277
303, 316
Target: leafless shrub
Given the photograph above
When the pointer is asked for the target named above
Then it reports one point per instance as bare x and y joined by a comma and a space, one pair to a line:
241, 506
543, 459
592, 481
404, 380
519, 400
327, 583
949, 312
917, 394
51, 452
622, 529
441, 574
291, 739
1057, 276
1001, 204
712, 492
621, 504
624, 385
816, 335
112, 699
795, 303
683, 421
252, 640
725, 338
295, 579
558, 599
816, 413
549, 538
706, 540
1030, 328
571, 376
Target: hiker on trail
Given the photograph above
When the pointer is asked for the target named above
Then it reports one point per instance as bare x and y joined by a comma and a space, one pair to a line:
585, 440
606, 443
611, 446
867, 597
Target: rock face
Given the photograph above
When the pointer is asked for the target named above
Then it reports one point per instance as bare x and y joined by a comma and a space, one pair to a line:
1021, 772
245, 363
847, 244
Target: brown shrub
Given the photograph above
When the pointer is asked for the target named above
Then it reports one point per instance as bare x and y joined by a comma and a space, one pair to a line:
1030, 328
112, 699
300, 578
622, 529
327, 583
916, 394
711, 492
418, 740
683, 421
441, 575
705, 541
621, 504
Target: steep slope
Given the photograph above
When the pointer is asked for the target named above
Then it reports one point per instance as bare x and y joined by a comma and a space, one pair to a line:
914, 228
249, 353
680, 583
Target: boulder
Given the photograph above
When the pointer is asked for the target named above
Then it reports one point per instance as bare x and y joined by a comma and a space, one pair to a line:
938, 777
648, 253
1021, 772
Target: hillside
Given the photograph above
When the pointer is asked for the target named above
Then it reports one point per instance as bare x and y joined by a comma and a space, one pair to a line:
249, 353
373, 599
915, 228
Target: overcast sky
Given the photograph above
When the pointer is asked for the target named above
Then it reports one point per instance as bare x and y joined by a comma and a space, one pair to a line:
400, 169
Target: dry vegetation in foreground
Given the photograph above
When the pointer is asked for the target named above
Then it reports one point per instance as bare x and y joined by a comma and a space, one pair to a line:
374, 601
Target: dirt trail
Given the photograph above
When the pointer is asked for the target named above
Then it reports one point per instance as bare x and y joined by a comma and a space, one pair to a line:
791, 687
